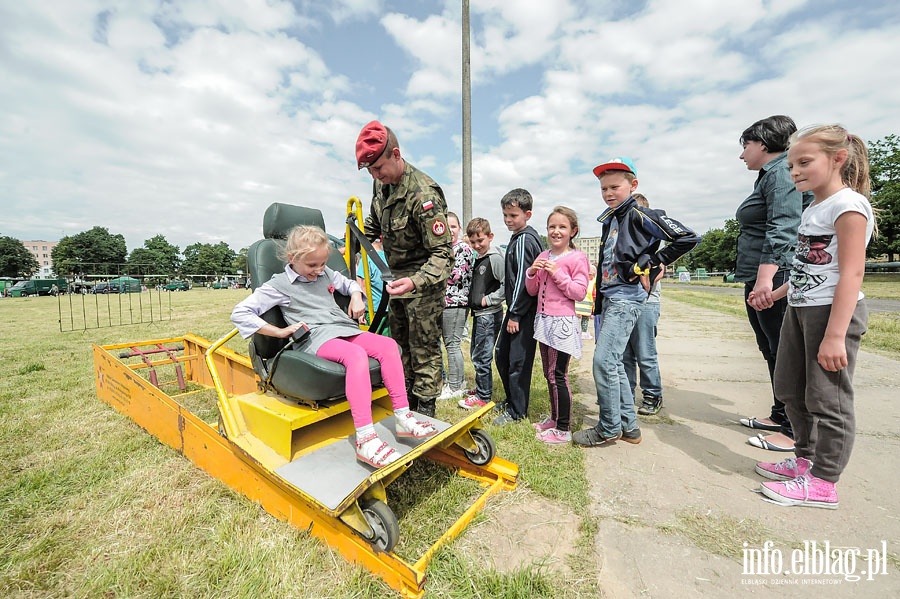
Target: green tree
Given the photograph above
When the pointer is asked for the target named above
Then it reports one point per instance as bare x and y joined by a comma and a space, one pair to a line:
158, 256
884, 165
208, 259
240, 261
93, 252
717, 251
15, 260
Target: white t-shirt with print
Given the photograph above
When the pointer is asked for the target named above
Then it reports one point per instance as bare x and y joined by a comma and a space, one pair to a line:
815, 271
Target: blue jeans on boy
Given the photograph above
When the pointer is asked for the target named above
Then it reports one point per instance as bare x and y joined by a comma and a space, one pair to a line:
485, 328
614, 394
641, 352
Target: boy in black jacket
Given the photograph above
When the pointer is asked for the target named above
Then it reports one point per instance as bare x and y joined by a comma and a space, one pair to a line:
516, 346
630, 258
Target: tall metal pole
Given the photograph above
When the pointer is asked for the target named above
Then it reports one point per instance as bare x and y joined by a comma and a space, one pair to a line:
467, 120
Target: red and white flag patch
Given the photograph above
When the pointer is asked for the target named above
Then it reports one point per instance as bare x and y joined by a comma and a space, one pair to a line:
427, 205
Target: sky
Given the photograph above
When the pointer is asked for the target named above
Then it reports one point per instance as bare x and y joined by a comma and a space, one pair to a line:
187, 118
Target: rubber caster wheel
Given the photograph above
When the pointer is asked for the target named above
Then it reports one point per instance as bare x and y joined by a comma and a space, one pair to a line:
486, 451
385, 528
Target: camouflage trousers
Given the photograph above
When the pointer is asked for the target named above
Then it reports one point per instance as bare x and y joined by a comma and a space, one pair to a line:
416, 327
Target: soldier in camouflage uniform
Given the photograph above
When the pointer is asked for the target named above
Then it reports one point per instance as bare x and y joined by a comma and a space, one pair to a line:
409, 213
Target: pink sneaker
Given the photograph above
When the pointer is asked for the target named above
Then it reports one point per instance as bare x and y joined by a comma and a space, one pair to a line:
546, 424
553, 436
788, 469
471, 402
806, 490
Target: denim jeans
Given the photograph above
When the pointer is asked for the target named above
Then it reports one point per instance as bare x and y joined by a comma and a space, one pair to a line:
613, 392
641, 352
485, 328
454, 323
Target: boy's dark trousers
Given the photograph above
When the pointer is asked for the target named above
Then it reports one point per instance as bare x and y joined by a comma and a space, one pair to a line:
485, 328
515, 359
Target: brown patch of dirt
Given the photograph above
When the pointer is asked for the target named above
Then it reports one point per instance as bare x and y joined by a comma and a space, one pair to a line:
522, 529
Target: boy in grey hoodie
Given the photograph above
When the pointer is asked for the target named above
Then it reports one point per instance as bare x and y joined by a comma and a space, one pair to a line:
486, 296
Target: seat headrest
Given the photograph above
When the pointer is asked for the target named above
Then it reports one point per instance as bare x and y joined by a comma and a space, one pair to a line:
279, 219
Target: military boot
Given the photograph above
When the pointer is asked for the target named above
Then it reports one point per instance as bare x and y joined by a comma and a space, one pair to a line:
424, 406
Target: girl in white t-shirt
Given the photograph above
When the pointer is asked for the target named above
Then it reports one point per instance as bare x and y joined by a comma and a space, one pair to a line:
825, 318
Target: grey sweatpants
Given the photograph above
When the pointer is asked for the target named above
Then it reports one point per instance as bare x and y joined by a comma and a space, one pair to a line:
818, 403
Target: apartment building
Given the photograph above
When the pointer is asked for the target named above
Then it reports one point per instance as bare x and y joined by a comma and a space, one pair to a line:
590, 246
41, 250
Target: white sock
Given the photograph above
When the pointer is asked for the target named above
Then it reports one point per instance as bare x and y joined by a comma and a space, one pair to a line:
365, 431
401, 413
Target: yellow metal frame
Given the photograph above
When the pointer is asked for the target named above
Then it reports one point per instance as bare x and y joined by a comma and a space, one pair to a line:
248, 445
355, 209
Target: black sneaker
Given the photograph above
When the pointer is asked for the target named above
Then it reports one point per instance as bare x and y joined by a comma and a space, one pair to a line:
591, 437
505, 418
650, 406
632, 436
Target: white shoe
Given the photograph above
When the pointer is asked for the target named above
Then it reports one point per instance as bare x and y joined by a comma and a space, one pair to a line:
447, 393
375, 452
408, 426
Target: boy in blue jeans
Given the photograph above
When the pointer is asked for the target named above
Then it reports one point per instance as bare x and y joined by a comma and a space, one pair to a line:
628, 254
516, 346
486, 301
641, 348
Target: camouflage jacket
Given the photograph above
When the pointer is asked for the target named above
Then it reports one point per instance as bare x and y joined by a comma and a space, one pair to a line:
411, 218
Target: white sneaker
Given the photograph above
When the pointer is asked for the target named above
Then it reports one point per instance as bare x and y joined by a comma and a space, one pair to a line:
375, 452
409, 427
447, 393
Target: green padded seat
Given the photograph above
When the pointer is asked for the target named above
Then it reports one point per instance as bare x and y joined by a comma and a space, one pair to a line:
296, 373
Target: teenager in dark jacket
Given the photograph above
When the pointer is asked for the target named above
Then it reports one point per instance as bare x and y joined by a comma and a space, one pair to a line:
516, 346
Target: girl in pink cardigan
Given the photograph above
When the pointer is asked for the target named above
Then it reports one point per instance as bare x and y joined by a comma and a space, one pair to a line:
559, 278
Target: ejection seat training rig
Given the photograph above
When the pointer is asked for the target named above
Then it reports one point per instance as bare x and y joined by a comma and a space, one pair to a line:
284, 436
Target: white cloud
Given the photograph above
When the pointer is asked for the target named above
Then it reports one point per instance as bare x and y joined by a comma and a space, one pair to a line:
189, 118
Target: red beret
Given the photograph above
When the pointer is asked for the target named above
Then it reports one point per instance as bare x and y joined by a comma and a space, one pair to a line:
370, 144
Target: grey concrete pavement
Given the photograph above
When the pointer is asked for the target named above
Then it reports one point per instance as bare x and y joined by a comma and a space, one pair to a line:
675, 511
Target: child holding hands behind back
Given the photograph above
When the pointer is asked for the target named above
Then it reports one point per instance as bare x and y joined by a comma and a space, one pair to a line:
558, 277
305, 294
825, 318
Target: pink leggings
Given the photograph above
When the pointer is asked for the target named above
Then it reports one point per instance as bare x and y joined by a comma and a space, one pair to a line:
353, 353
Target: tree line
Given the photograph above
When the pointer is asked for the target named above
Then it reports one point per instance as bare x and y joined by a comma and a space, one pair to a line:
99, 252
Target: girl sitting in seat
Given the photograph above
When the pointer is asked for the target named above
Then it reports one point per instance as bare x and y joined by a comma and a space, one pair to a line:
305, 294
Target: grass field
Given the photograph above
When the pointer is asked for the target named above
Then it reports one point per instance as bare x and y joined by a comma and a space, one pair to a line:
91, 505
883, 335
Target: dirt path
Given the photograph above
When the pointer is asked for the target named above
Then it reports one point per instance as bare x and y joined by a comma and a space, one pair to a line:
675, 511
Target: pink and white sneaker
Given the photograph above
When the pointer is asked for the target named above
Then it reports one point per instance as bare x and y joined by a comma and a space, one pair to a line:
471, 402
806, 490
375, 452
553, 436
788, 469
546, 424
409, 427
